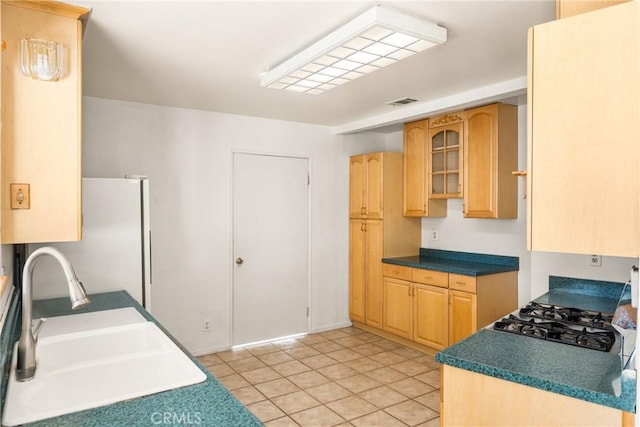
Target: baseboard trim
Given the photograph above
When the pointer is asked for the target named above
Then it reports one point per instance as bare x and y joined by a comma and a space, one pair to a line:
209, 350
331, 327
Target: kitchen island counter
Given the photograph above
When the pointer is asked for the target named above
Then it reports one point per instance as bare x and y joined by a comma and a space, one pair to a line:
590, 375
208, 403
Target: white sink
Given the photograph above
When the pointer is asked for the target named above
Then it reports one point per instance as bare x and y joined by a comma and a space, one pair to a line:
91, 368
88, 321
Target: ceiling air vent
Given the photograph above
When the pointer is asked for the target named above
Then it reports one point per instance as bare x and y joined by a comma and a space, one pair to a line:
402, 101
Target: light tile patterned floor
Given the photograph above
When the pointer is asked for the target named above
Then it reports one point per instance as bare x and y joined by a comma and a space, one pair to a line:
344, 377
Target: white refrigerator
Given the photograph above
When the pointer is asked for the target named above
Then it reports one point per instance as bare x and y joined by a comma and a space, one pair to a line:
115, 250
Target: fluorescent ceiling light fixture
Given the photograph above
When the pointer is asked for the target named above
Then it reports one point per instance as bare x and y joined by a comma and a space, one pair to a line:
379, 37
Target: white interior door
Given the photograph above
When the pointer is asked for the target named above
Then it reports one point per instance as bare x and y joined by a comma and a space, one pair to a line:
270, 247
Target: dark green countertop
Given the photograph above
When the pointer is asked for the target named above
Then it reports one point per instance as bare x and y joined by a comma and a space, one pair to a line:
586, 374
466, 263
208, 403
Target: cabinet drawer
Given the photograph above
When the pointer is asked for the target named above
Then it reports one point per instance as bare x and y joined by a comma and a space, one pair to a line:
430, 277
462, 283
396, 271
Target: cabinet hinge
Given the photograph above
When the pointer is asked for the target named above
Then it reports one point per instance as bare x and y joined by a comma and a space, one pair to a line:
307, 311
308, 180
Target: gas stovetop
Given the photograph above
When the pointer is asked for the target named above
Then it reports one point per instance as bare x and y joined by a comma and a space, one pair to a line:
566, 325
575, 316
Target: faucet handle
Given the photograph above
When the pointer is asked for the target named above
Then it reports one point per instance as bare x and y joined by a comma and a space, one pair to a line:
38, 326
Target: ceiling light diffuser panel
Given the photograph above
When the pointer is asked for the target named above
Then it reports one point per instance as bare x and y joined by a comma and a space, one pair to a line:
379, 37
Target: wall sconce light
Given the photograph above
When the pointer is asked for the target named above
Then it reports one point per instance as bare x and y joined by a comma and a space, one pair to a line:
41, 59
377, 38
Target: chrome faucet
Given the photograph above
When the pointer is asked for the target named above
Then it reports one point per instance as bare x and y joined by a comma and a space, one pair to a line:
26, 367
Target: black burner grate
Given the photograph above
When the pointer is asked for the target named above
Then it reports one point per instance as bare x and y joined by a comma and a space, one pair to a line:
596, 339
575, 316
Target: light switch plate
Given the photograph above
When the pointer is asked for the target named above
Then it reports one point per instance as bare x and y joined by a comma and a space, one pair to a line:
20, 196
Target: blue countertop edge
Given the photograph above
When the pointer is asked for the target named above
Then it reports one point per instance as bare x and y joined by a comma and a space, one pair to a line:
206, 403
465, 263
588, 294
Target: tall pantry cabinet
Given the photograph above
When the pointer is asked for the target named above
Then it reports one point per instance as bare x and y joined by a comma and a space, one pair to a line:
377, 229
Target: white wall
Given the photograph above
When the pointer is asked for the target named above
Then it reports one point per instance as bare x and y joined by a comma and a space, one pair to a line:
187, 156
545, 264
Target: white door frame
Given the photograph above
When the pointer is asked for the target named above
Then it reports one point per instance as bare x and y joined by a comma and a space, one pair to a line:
233, 152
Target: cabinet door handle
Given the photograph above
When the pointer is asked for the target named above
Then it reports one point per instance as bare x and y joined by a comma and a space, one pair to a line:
409, 291
365, 211
362, 210
460, 283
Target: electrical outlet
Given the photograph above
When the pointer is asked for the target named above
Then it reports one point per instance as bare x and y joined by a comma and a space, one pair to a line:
206, 325
434, 235
595, 261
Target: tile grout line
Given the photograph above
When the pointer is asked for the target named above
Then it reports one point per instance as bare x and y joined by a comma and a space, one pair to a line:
300, 350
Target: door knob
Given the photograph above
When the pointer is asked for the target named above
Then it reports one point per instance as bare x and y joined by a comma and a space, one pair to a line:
239, 261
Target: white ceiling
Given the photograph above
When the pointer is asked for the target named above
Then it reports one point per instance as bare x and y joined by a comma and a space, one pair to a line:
208, 55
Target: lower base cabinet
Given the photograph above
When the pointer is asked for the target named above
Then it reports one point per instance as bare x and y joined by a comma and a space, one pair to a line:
415, 311
468, 398
463, 306
397, 310
430, 308
438, 309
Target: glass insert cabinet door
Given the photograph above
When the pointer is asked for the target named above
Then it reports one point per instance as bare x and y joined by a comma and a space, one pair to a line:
445, 148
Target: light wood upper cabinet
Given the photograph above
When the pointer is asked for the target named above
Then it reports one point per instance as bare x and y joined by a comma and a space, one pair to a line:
414, 169
357, 186
566, 8
366, 186
41, 125
445, 150
490, 155
373, 195
583, 132
416, 200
